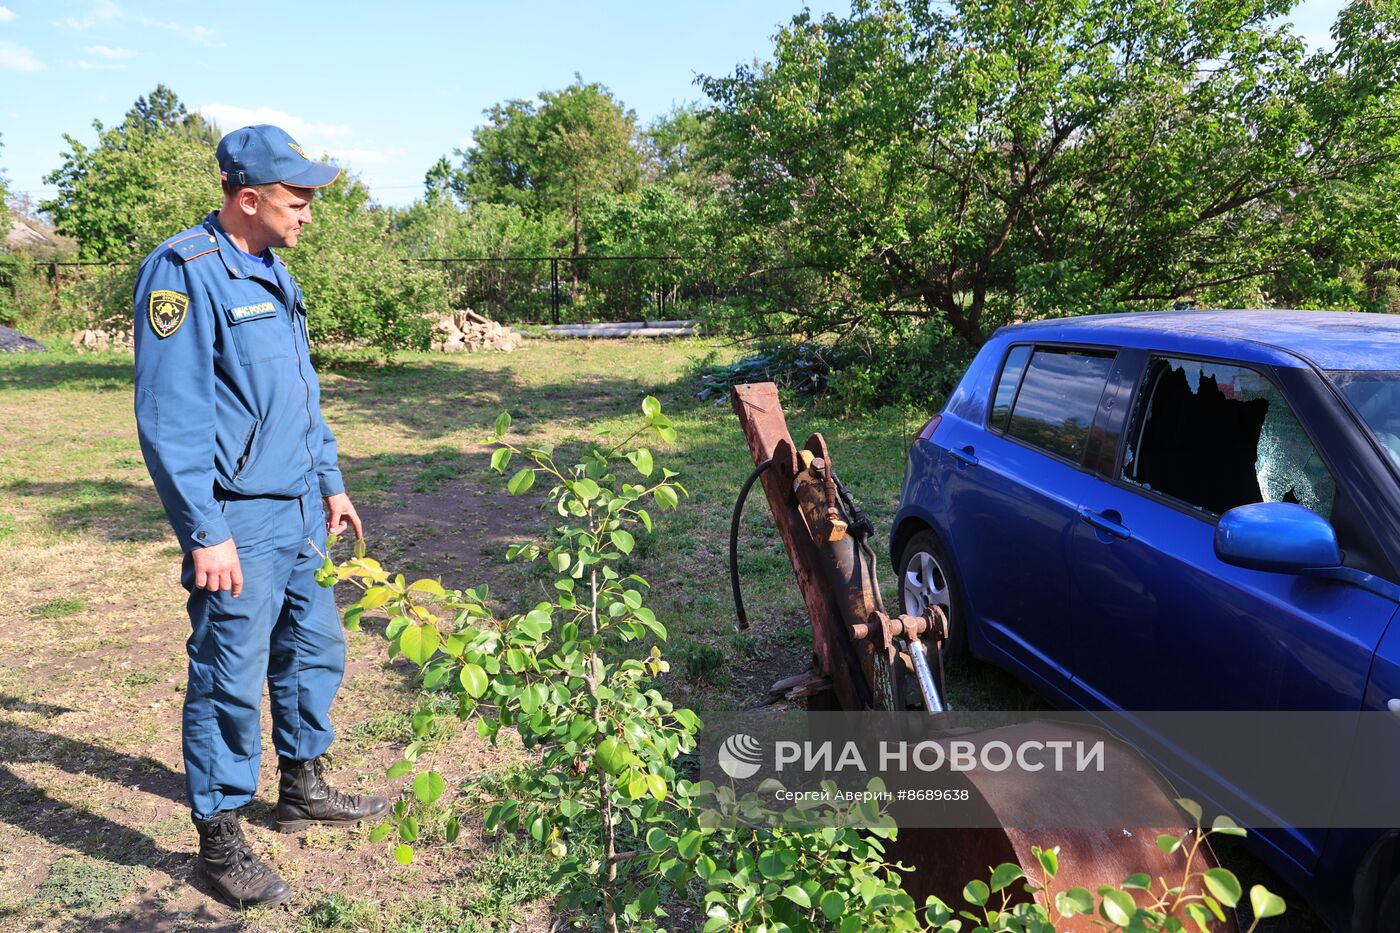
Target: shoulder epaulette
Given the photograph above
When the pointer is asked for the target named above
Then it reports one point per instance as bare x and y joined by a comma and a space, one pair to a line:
193, 245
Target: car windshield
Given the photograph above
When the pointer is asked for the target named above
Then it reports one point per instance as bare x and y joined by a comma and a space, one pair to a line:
1376, 397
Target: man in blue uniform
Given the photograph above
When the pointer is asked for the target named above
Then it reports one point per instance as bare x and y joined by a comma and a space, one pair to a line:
228, 412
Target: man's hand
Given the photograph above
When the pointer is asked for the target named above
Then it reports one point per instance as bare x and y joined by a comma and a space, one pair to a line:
338, 512
217, 568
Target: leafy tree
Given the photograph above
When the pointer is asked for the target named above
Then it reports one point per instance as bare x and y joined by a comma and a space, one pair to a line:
150, 176
358, 290
559, 155
985, 162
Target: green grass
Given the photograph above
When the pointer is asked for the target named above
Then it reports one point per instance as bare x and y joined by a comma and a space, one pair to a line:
415, 429
58, 608
86, 885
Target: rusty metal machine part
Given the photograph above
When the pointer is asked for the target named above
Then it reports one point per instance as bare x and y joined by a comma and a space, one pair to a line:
865, 656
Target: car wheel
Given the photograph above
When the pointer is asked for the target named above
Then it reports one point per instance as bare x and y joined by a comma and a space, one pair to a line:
925, 579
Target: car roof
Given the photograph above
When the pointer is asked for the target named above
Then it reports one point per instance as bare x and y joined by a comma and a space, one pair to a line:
1336, 340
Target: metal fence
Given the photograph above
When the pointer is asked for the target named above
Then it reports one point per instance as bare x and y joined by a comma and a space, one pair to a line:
510, 289
575, 289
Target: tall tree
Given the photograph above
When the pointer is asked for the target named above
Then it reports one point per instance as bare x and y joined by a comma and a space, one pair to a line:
146, 178
559, 154
984, 162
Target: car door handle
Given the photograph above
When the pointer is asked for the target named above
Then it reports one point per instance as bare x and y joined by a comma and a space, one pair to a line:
963, 455
1106, 522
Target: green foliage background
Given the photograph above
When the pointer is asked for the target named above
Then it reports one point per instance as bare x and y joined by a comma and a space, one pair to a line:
903, 175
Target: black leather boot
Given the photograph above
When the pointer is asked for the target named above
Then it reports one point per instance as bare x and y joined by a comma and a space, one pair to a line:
305, 798
237, 875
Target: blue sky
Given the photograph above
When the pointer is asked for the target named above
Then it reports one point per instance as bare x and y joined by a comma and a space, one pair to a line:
384, 88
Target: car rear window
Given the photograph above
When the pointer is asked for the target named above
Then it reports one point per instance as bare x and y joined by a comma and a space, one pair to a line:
1058, 397
1010, 379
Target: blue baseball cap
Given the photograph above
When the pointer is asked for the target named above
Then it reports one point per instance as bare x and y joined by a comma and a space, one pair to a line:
265, 154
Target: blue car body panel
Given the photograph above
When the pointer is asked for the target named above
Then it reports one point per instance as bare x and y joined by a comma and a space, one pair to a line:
1104, 596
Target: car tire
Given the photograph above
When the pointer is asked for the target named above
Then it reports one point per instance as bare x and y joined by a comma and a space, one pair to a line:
926, 576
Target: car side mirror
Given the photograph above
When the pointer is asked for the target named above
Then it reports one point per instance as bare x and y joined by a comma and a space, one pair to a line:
1279, 537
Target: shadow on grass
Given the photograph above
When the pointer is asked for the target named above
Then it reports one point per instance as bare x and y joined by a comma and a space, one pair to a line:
434, 399
119, 510
89, 374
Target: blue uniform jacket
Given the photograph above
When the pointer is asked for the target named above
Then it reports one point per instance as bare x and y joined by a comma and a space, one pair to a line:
225, 393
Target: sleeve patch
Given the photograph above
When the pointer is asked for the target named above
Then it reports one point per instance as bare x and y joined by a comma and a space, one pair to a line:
166, 310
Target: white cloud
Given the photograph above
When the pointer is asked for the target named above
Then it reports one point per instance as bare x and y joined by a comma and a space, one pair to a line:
7, 15
18, 58
315, 138
199, 35
102, 51
102, 11
85, 65
336, 140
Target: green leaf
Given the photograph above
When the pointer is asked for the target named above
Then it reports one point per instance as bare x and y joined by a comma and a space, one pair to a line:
375, 597
645, 516
657, 840
1198, 915
770, 864
976, 893
1140, 881
500, 457
1118, 906
408, 829
1225, 826
586, 489
1224, 885
650, 406
381, 832
1168, 843
833, 904
427, 585
502, 423
399, 769
452, 830
623, 541
612, 755
1049, 861
1266, 903
428, 786
798, 896
688, 845
666, 497
641, 459
418, 642
473, 680
656, 786
403, 854
1074, 902
1004, 874
1191, 807
521, 482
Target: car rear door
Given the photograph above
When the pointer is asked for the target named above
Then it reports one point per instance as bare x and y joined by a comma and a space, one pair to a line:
1012, 493
1160, 623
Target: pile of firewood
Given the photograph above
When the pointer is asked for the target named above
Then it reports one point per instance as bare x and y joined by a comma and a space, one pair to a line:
100, 341
467, 330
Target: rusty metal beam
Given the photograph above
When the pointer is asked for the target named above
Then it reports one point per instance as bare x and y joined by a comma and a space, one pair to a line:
766, 431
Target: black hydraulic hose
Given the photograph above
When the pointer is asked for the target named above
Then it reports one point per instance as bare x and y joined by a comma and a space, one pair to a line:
742, 620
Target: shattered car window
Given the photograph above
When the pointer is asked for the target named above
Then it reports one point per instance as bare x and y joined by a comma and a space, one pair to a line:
1216, 436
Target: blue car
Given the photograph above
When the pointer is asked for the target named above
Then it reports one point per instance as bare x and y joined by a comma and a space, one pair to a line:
1120, 510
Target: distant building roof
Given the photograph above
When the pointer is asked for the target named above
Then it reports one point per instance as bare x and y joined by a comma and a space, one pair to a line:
22, 235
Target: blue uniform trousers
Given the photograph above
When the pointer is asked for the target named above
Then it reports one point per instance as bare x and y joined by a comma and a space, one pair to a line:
284, 629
